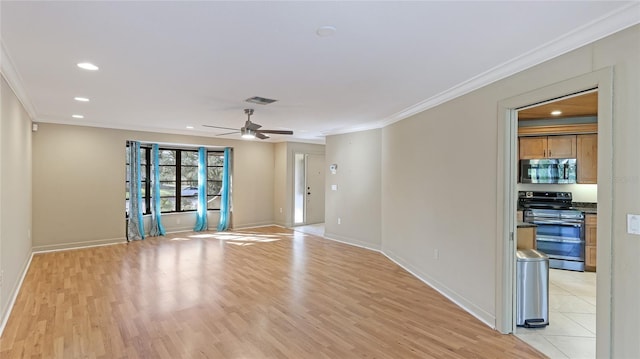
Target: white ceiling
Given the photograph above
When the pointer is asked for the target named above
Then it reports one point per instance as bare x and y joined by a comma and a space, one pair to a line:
167, 65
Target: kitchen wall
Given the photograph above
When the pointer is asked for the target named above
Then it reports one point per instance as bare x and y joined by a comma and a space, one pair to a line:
15, 191
440, 199
78, 184
357, 201
580, 192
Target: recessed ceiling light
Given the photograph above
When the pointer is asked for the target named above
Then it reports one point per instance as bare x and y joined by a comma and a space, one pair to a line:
77, 116
325, 31
189, 127
81, 99
556, 113
88, 66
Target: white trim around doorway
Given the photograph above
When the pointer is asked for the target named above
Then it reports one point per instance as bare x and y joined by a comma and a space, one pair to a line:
506, 197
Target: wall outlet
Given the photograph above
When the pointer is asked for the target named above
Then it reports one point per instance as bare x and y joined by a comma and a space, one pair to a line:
339, 220
436, 254
334, 187
280, 209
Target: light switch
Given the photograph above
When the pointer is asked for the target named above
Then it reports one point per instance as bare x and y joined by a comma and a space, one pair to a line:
334, 187
633, 224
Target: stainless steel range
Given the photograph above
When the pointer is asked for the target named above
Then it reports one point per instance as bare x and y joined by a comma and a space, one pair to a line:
560, 229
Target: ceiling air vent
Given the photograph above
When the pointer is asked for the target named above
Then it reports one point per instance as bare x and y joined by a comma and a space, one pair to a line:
260, 100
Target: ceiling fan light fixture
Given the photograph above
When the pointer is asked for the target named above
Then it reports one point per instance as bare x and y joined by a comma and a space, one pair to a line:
248, 133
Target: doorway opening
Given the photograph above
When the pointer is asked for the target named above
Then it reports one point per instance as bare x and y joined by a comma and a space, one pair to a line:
308, 189
557, 216
507, 178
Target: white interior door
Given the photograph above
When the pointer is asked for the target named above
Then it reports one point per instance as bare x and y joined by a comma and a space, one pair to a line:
314, 195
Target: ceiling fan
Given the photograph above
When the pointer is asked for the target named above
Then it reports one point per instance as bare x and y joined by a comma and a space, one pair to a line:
250, 129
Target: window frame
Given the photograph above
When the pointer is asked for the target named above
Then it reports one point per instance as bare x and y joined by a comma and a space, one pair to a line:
177, 180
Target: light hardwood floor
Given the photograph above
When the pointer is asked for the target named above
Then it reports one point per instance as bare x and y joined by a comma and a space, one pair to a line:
261, 293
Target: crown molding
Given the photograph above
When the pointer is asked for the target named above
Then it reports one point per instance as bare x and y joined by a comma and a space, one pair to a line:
14, 80
606, 25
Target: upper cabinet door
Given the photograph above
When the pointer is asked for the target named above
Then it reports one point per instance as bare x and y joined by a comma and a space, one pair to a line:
587, 159
561, 146
532, 148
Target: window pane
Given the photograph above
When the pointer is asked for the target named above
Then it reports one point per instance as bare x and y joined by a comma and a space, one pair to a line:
168, 204
188, 203
143, 156
213, 202
189, 173
143, 172
215, 159
213, 187
167, 157
189, 158
167, 189
189, 189
126, 190
214, 173
167, 173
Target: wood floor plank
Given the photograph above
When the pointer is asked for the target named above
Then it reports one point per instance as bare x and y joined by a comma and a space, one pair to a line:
260, 293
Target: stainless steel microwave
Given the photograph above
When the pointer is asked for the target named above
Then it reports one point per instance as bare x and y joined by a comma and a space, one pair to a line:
551, 170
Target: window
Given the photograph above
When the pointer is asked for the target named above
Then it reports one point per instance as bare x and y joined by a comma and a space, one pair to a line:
145, 177
215, 165
178, 170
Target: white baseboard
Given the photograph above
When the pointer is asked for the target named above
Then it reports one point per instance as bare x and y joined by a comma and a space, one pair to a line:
14, 295
77, 245
352, 241
459, 300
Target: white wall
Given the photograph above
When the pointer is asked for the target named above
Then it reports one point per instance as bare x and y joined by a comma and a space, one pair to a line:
357, 200
15, 191
439, 192
78, 184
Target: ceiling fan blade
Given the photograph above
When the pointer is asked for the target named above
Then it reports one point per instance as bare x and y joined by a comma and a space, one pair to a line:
252, 126
276, 132
228, 133
261, 136
224, 128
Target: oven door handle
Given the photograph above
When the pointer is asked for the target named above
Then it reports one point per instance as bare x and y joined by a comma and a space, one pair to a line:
545, 239
560, 222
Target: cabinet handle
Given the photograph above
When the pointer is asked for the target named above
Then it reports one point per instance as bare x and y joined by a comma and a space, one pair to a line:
544, 153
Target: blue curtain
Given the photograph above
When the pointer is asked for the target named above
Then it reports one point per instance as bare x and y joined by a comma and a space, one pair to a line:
135, 227
157, 229
201, 216
226, 185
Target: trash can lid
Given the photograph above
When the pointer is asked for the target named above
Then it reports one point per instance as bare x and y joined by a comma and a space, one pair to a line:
530, 255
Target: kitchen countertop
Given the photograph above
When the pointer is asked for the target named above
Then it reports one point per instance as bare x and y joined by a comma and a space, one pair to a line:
526, 224
586, 207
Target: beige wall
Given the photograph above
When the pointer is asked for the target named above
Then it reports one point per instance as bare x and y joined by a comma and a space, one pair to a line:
280, 208
438, 186
357, 201
15, 191
78, 184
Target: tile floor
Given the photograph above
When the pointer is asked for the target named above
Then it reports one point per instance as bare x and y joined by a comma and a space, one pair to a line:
315, 229
571, 332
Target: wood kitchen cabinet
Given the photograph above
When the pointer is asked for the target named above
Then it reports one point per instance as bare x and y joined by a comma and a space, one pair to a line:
591, 241
587, 158
526, 238
536, 147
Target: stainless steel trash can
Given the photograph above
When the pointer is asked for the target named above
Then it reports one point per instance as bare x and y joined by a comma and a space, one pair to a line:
532, 288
